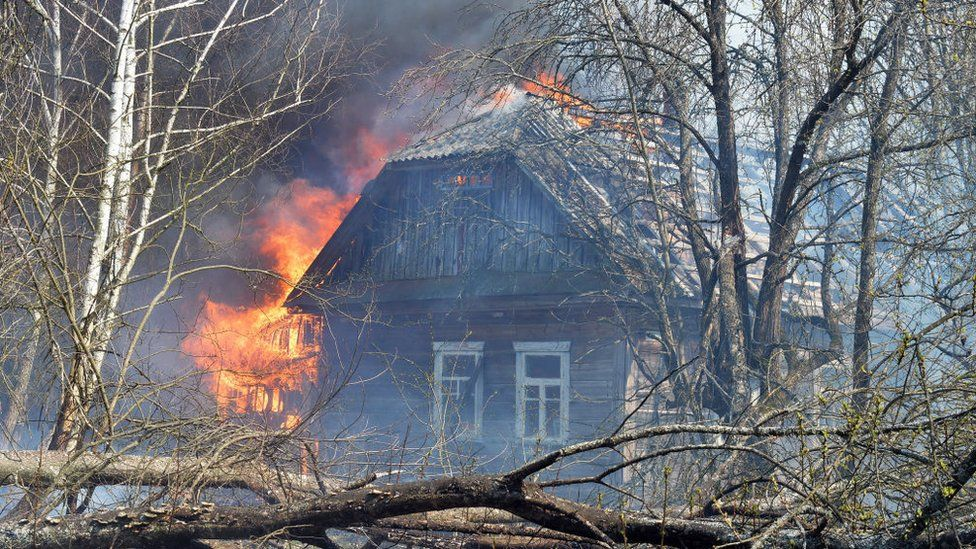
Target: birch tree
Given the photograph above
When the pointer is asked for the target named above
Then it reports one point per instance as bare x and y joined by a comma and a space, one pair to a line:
127, 122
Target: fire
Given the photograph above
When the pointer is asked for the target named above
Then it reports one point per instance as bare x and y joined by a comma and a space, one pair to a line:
555, 88
503, 96
259, 356
363, 156
291, 229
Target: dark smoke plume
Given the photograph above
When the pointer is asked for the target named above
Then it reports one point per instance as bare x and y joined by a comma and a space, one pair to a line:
406, 33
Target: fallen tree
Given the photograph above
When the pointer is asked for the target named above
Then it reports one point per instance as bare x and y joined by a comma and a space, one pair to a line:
178, 526
507, 509
562, 520
63, 470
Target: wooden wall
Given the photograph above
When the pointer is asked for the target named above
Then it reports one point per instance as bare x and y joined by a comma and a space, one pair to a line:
390, 390
425, 227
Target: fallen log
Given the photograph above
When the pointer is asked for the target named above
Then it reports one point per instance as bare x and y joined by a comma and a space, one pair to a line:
62, 470
365, 507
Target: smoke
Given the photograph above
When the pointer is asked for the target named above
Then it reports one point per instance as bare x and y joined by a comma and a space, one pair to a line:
282, 220
404, 33
346, 148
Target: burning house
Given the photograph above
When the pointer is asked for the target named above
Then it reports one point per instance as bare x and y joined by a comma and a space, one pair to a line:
262, 360
487, 289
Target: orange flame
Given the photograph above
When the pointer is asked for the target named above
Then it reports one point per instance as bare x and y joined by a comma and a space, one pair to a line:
258, 356
503, 96
363, 156
555, 88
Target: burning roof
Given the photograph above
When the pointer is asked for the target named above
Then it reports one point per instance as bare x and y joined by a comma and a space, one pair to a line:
586, 169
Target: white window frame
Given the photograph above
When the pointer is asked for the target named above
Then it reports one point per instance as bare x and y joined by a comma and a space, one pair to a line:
547, 348
458, 348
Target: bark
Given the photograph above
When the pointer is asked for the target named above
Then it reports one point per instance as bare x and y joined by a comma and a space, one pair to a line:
178, 526
61, 470
733, 288
502, 540
730, 367
377, 509
771, 367
864, 308
446, 521
781, 124
79, 389
736, 376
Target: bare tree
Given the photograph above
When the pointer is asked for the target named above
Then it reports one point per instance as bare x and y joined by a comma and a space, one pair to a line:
865, 112
124, 125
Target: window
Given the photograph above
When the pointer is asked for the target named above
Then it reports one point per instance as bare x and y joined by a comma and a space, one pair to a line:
283, 339
542, 389
458, 387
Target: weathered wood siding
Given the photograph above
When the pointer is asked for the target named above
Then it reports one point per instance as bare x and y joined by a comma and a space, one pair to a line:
424, 227
390, 389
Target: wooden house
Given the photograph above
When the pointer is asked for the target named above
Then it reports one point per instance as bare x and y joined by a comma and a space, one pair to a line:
470, 297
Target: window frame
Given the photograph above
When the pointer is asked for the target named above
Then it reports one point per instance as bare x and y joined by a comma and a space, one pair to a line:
525, 349
458, 348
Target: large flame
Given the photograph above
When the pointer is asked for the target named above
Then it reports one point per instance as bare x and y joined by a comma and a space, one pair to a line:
258, 356
554, 88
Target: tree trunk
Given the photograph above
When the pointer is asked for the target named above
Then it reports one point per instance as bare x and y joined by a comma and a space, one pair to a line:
864, 310
769, 354
79, 387
733, 288
790, 206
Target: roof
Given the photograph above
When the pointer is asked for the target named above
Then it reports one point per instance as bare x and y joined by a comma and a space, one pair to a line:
525, 123
560, 156
587, 173
489, 131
